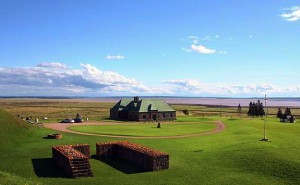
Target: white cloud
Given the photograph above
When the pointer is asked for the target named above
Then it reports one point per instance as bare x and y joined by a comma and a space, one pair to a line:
52, 65
192, 86
259, 88
115, 57
293, 14
90, 80
45, 80
202, 49
189, 86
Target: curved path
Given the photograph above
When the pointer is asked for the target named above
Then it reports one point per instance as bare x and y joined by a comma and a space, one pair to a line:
64, 128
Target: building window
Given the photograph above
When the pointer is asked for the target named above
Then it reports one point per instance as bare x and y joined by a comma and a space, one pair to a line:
163, 115
144, 116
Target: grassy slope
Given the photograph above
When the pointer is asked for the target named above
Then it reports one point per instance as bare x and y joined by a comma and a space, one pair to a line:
13, 132
234, 156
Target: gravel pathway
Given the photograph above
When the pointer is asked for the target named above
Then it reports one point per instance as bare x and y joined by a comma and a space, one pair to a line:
63, 127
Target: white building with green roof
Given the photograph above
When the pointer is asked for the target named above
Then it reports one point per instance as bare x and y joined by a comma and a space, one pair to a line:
142, 110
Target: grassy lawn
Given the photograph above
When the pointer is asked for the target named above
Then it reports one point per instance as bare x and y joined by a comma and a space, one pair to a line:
146, 129
234, 156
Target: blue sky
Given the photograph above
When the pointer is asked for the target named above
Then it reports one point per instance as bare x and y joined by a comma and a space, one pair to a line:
175, 48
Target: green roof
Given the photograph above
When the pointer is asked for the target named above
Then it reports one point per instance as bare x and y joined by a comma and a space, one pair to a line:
154, 104
143, 105
122, 104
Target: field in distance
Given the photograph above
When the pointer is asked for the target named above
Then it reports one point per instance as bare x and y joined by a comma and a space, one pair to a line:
57, 109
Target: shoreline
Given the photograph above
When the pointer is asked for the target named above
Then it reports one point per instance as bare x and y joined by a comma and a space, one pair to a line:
209, 102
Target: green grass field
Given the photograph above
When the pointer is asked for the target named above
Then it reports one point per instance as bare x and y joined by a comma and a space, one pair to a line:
146, 129
234, 156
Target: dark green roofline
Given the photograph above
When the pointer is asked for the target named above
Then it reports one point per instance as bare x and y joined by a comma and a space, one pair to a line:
142, 105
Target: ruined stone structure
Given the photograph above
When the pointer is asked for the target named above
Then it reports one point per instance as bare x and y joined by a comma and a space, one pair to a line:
148, 159
55, 136
73, 160
142, 110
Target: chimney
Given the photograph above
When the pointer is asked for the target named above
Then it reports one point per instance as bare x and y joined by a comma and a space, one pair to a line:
135, 99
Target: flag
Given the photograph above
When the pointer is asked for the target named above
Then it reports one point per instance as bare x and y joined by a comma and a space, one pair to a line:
266, 99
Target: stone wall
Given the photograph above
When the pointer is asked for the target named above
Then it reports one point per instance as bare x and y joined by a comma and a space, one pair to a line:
149, 159
83, 148
72, 162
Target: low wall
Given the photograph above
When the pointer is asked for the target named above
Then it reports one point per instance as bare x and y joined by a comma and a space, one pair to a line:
83, 148
61, 160
72, 162
55, 136
149, 159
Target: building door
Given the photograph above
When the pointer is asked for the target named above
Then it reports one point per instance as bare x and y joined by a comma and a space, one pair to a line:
154, 117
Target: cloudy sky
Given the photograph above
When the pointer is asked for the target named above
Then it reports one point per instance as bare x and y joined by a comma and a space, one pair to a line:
227, 48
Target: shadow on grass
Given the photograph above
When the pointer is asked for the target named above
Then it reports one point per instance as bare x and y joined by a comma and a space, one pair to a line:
45, 167
121, 165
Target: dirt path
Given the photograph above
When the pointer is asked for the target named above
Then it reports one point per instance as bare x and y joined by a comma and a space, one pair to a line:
64, 128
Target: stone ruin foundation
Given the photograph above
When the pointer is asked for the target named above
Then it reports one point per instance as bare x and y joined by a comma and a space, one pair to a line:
55, 136
148, 159
73, 160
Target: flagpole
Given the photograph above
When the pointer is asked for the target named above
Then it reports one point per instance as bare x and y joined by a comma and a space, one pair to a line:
265, 134
266, 112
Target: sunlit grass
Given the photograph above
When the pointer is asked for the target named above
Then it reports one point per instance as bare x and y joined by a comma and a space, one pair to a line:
146, 129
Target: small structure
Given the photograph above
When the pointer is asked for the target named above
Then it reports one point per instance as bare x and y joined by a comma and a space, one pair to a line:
73, 160
142, 110
78, 118
148, 159
158, 125
55, 136
287, 119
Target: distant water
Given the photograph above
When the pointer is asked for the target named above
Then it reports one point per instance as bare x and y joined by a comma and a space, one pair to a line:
283, 102
291, 102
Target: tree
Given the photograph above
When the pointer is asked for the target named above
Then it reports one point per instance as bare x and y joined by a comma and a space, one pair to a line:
250, 111
287, 111
256, 109
239, 109
260, 109
186, 112
279, 113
